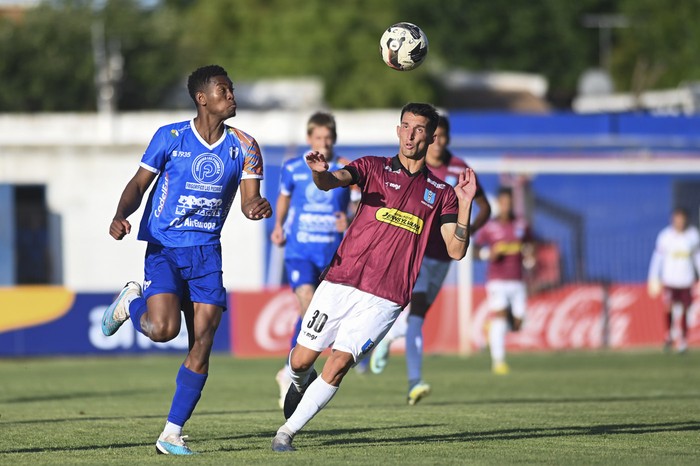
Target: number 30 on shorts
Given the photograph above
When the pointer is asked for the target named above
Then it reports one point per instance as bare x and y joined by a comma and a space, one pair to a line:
318, 320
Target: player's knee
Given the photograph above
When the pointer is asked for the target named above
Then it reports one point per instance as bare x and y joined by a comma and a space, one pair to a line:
162, 331
299, 364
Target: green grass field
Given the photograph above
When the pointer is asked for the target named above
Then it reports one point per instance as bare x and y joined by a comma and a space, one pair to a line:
566, 408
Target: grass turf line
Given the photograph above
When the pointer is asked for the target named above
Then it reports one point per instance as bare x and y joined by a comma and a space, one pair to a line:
554, 408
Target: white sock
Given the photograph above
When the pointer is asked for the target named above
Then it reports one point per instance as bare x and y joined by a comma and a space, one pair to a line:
497, 339
171, 428
315, 399
298, 378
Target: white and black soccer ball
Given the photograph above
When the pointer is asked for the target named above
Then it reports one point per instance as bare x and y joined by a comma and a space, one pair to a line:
404, 46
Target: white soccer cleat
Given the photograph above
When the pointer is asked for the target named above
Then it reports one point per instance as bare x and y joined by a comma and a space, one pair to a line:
172, 444
284, 381
118, 312
380, 356
282, 442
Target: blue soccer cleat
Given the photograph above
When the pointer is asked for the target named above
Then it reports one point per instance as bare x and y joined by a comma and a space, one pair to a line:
172, 444
118, 312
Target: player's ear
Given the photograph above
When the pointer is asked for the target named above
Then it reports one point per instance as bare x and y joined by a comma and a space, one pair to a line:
201, 98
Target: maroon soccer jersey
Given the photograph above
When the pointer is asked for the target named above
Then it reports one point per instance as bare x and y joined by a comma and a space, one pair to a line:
448, 171
505, 240
383, 249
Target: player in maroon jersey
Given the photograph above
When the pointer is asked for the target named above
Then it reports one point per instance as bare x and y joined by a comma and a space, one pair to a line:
372, 274
436, 263
506, 242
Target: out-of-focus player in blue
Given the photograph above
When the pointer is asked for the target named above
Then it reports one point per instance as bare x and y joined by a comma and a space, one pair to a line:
309, 222
198, 166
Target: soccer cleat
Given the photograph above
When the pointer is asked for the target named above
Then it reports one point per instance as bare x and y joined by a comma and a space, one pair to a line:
294, 396
380, 357
417, 392
172, 444
500, 368
682, 346
284, 381
282, 442
668, 345
118, 312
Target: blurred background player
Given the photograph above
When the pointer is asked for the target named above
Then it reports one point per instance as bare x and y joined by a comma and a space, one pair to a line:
309, 222
199, 165
506, 243
436, 263
372, 274
674, 268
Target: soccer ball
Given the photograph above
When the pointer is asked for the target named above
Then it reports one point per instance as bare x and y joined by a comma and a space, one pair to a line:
404, 46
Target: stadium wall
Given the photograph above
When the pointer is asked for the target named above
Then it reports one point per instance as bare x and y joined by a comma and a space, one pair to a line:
599, 188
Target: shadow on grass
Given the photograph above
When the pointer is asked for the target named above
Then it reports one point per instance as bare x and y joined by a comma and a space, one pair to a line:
133, 417
414, 436
551, 400
510, 434
73, 396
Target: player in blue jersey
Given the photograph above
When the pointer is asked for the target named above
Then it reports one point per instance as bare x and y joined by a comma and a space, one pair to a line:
198, 166
309, 222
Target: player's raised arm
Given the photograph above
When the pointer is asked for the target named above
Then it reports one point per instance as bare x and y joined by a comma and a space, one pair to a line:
129, 202
253, 205
456, 235
323, 178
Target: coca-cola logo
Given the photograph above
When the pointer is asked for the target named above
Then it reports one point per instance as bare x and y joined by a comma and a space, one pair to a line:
275, 323
569, 318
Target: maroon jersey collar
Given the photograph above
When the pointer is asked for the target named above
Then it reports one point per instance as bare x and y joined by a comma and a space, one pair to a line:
397, 165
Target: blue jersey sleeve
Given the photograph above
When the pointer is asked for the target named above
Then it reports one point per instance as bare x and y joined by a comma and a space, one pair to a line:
157, 152
287, 179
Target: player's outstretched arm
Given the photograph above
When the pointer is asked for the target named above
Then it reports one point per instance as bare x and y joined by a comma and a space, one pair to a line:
456, 235
324, 179
253, 205
129, 202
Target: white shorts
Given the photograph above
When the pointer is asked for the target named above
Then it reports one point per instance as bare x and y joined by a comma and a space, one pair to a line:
347, 319
504, 294
431, 277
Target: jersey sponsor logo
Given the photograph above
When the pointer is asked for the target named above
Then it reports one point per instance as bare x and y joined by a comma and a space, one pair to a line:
207, 168
400, 219
192, 223
163, 196
507, 248
317, 200
175, 133
300, 176
207, 188
146, 284
317, 222
390, 184
199, 205
180, 153
388, 168
306, 237
429, 196
436, 184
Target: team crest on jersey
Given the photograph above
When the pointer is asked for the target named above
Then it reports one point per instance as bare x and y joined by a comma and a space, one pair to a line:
400, 219
429, 196
233, 152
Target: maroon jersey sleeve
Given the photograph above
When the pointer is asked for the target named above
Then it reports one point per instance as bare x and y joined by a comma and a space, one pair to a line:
359, 169
448, 212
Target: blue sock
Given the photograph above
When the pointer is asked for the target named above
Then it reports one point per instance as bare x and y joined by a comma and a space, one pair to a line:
188, 390
137, 308
297, 330
414, 349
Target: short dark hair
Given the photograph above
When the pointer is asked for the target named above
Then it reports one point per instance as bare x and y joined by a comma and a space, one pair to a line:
322, 119
424, 110
505, 190
681, 211
444, 123
200, 77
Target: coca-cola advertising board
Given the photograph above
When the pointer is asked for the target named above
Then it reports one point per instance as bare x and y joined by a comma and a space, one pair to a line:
570, 317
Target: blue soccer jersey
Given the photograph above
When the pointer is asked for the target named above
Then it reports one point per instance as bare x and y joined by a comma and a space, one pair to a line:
310, 227
196, 183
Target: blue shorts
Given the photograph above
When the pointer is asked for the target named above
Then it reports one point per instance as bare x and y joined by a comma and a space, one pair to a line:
193, 273
302, 272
